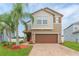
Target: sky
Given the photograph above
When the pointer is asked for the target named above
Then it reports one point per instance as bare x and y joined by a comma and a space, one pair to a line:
70, 12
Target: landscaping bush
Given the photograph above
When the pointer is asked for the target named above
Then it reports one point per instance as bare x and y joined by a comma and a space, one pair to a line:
4, 42
21, 41
31, 42
13, 43
8, 44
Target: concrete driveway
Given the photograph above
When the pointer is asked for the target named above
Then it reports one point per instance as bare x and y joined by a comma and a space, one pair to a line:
52, 50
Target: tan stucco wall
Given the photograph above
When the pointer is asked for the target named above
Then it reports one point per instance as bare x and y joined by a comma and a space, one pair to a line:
57, 28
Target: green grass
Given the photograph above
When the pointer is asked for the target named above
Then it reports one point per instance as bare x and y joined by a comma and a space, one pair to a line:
72, 45
19, 52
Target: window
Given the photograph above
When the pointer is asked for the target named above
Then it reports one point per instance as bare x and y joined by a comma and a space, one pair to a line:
57, 20
39, 22
75, 27
44, 21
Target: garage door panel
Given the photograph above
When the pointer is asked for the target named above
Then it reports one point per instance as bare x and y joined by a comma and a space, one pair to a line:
46, 38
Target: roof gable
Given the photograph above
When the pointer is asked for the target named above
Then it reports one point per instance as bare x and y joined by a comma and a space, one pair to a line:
48, 10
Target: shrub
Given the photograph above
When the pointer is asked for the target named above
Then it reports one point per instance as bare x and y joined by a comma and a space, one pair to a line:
31, 42
21, 41
4, 42
8, 44
13, 43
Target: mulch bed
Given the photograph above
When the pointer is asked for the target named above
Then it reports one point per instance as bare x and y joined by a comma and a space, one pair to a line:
14, 47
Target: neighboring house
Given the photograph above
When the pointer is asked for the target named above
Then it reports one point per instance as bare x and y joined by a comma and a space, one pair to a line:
5, 36
47, 26
71, 33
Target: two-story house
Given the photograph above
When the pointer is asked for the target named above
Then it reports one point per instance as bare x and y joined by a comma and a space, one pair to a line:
71, 33
47, 26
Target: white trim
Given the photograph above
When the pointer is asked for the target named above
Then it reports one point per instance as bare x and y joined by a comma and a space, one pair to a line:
57, 23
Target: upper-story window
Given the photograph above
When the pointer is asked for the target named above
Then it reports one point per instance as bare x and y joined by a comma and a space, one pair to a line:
39, 21
42, 20
57, 20
76, 28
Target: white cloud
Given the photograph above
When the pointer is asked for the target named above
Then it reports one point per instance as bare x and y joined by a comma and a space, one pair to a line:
69, 10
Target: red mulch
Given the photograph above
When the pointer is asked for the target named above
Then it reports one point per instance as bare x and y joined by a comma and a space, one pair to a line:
20, 46
23, 46
14, 47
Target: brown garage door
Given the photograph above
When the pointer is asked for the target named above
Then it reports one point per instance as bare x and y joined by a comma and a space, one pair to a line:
46, 38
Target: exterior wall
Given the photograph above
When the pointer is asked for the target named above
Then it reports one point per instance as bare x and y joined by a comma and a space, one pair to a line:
76, 37
45, 32
57, 28
49, 24
75, 27
68, 34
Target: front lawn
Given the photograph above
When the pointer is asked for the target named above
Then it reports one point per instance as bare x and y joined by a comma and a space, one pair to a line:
72, 45
18, 52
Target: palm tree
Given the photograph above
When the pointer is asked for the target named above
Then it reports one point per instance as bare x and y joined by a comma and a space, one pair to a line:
10, 26
2, 29
2, 26
7, 24
18, 14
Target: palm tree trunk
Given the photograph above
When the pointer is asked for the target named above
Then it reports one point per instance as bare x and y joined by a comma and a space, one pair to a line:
17, 37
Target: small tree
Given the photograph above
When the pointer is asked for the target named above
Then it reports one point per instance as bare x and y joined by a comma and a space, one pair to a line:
18, 14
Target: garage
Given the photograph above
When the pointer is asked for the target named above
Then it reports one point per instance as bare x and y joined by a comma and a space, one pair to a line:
46, 38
